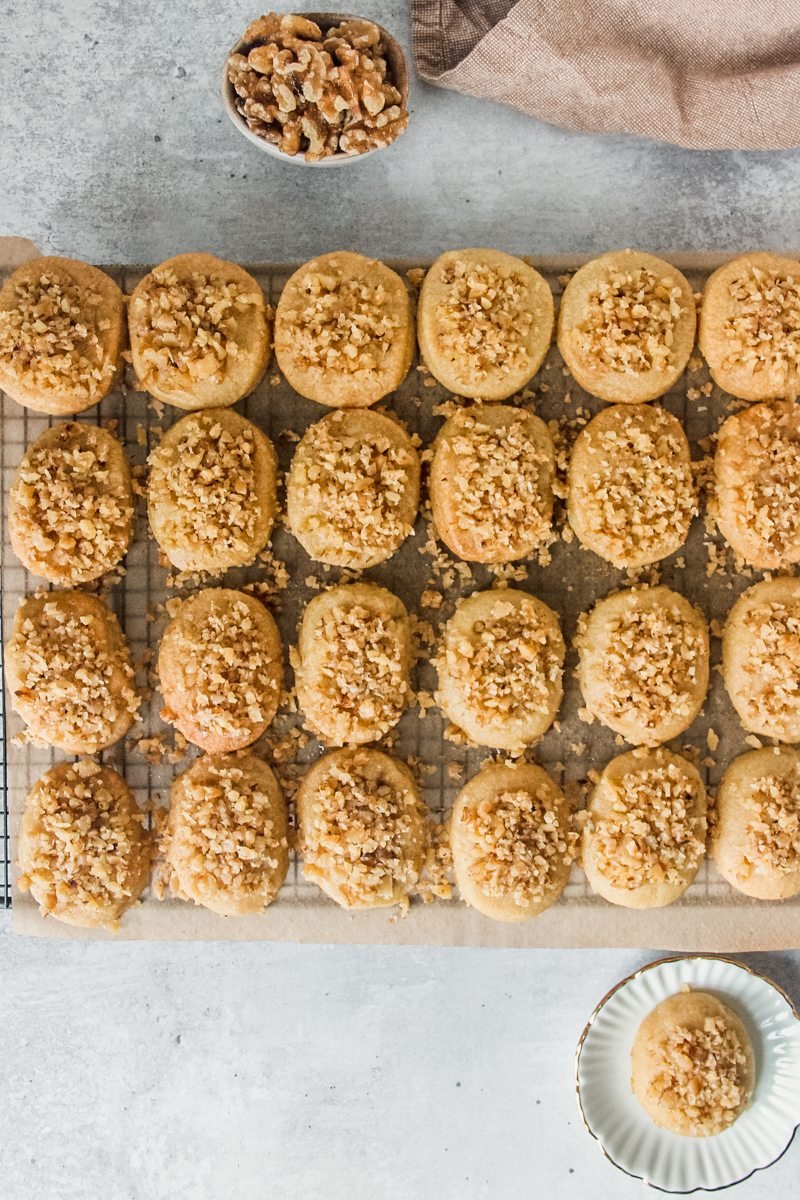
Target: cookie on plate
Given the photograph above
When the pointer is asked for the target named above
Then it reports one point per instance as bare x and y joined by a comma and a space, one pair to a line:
344, 332
71, 512
362, 828
353, 662
221, 670
226, 840
643, 663
512, 841
212, 491
750, 326
500, 668
755, 841
757, 484
62, 332
631, 496
484, 322
491, 483
761, 658
84, 851
352, 492
692, 1065
69, 672
200, 332
645, 836
626, 326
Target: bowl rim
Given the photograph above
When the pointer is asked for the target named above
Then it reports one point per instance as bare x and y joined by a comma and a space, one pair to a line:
325, 20
632, 977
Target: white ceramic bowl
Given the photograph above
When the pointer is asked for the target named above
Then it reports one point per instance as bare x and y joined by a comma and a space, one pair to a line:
399, 77
628, 1137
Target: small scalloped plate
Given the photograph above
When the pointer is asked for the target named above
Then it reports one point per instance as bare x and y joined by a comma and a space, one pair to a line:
627, 1136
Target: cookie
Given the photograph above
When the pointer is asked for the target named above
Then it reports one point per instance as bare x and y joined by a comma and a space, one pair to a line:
761, 658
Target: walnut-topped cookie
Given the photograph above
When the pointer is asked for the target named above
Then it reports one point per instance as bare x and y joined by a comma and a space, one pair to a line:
500, 668
352, 663
212, 491
62, 331
226, 839
631, 494
643, 663
645, 836
352, 492
757, 484
220, 668
755, 842
200, 332
491, 483
71, 513
626, 326
750, 326
761, 658
84, 851
69, 672
362, 828
344, 334
512, 841
484, 322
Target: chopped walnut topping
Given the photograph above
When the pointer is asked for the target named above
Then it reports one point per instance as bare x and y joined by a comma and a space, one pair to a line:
191, 324
521, 843
48, 340
630, 322
763, 332
88, 846
485, 319
655, 835
343, 324
316, 93
359, 833
73, 513
701, 1074
772, 691
772, 834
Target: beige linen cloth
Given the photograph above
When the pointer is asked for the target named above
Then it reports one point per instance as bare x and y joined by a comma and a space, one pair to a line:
708, 74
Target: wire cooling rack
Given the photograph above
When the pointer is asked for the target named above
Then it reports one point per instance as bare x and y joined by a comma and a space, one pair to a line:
569, 583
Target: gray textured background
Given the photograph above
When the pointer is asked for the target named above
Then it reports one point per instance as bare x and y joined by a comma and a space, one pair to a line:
138, 1072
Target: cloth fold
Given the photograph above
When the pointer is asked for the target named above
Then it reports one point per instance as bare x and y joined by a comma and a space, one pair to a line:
705, 74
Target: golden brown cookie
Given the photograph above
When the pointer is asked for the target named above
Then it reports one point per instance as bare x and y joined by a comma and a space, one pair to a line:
491, 483
221, 670
512, 841
631, 496
84, 851
69, 672
626, 326
643, 663
226, 840
352, 663
500, 668
692, 1065
352, 492
750, 326
62, 332
71, 513
200, 332
761, 658
344, 333
645, 835
755, 841
484, 322
212, 491
362, 828
757, 476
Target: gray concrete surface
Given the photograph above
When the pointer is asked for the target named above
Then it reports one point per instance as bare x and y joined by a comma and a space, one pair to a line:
137, 1072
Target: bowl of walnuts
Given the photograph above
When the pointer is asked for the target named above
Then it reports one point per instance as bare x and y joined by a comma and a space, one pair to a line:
321, 89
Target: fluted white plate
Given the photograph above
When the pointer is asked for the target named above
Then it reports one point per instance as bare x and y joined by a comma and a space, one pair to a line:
627, 1136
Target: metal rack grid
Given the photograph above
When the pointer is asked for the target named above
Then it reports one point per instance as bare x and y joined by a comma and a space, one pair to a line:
570, 583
